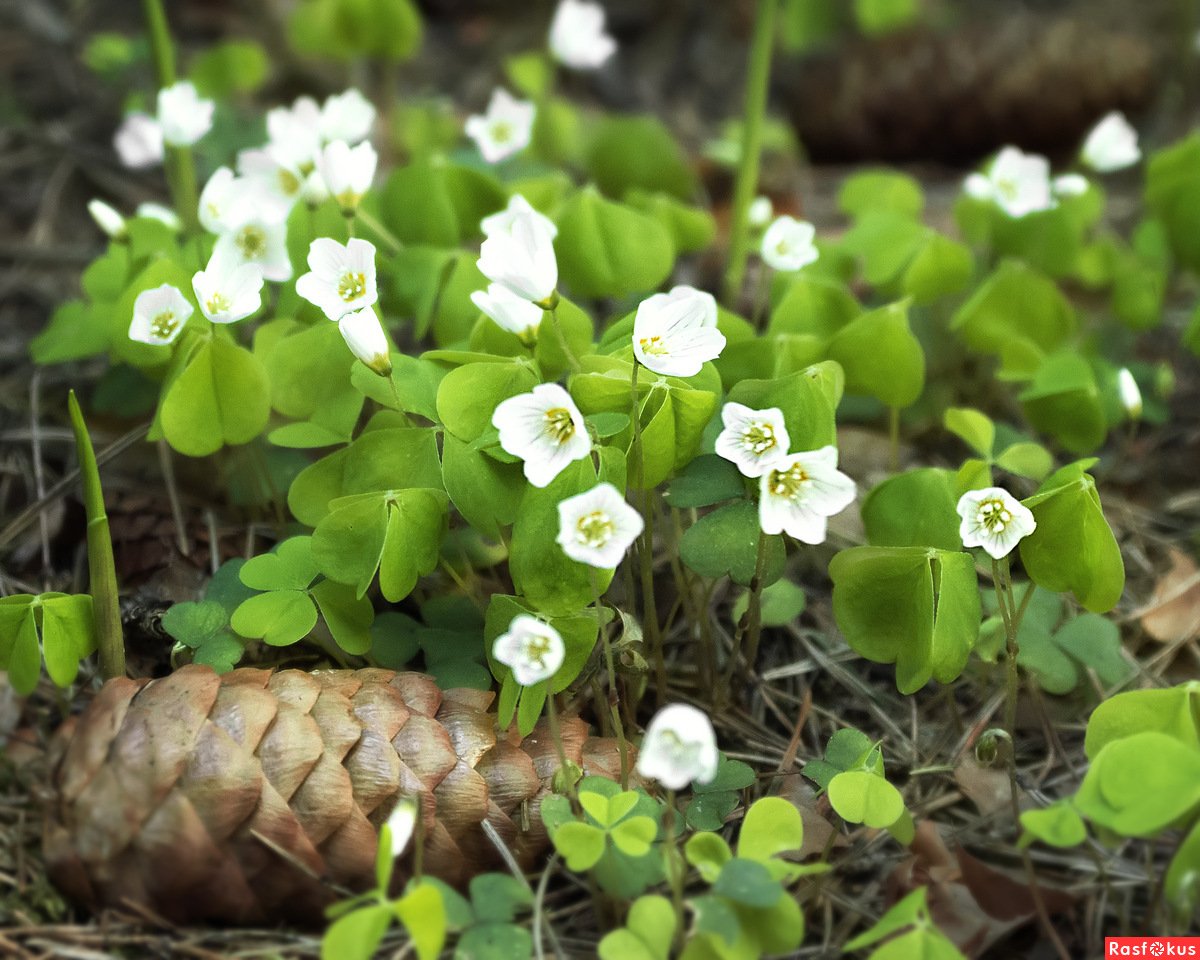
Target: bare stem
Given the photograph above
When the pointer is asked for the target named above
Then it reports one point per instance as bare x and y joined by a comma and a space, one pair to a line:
614, 691
180, 167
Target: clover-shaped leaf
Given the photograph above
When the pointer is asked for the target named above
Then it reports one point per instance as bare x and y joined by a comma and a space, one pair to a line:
55, 627
1058, 825
726, 542
647, 933
912, 606
866, 798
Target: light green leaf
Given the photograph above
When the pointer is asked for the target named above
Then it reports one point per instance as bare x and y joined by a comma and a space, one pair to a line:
862, 797
278, 618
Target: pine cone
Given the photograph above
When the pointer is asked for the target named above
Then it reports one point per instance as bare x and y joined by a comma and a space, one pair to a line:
254, 796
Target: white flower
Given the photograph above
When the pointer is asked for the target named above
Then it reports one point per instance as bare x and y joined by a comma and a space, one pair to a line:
347, 171
257, 239
164, 215
517, 207
271, 182
1017, 182
675, 333
598, 526
159, 315
346, 116
228, 289
1070, 185
294, 133
545, 429
364, 335
994, 519
752, 439
220, 200
519, 253
341, 279
183, 115
680, 746
1112, 145
400, 824
760, 212
139, 141
577, 38
107, 218
1131, 396
505, 129
788, 244
799, 492
510, 312
532, 649
314, 192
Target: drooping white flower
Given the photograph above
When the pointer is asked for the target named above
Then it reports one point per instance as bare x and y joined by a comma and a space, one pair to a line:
1070, 185
680, 747
517, 207
545, 429
257, 239
107, 218
506, 128
760, 212
364, 335
754, 440
401, 823
532, 649
159, 315
577, 38
1017, 182
314, 192
676, 333
787, 244
346, 116
519, 253
510, 312
801, 491
1131, 395
271, 181
597, 527
1111, 145
139, 141
347, 171
228, 289
183, 115
994, 519
220, 201
164, 215
341, 279
294, 133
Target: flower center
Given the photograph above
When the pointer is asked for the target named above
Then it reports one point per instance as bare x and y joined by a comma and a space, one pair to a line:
163, 325
759, 437
217, 303
351, 286
502, 131
682, 753
289, 183
1008, 188
788, 483
993, 516
559, 424
594, 529
537, 648
252, 241
654, 346
783, 248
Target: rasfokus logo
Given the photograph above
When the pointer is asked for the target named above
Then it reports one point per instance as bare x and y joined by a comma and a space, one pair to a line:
1152, 946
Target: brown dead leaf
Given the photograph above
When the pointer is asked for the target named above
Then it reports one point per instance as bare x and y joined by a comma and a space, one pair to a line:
973, 903
818, 832
987, 787
1173, 614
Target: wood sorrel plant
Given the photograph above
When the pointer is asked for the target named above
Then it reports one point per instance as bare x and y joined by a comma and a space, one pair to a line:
523, 453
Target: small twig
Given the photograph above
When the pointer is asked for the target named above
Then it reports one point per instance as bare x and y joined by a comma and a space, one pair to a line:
39, 476
168, 472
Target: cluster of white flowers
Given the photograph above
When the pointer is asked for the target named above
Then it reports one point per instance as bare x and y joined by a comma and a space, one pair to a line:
1020, 183
341, 281
797, 491
182, 118
788, 244
518, 257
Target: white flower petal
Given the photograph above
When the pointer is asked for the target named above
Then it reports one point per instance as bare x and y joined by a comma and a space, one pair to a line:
598, 526
577, 38
532, 649
1111, 145
800, 491
505, 129
787, 244
139, 141
545, 429
753, 440
992, 518
183, 115
675, 333
680, 747
159, 315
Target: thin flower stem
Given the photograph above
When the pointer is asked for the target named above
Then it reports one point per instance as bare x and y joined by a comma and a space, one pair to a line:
556, 736
750, 622
383, 233
614, 691
180, 168
102, 570
674, 870
894, 438
556, 326
646, 549
1000, 584
757, 82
